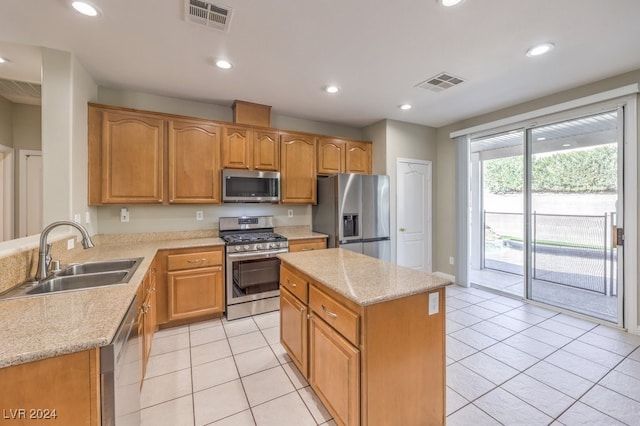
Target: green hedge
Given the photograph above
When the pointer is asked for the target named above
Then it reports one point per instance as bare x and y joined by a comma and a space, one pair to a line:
593, 170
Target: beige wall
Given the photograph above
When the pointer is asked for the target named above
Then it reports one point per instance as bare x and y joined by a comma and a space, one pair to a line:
27, 128
169, 105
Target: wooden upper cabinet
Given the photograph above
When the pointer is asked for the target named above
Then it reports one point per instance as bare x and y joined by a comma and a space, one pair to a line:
358, 157
132, 158
194, 171
250, 149
266, 150
343, 156
331, 156
236, 148
297, 168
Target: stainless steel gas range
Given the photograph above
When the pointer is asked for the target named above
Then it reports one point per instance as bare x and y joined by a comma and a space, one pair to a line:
252, 268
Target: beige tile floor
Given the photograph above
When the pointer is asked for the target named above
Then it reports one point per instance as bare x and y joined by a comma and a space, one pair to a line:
508, 363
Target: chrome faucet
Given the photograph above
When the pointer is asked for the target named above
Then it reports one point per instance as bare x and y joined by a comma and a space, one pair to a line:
44, 255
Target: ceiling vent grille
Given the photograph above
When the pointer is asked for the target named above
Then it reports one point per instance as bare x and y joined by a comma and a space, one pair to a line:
208, 14
20, 91
440, 82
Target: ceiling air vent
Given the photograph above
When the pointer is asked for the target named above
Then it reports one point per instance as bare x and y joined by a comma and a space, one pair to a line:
440, 82
208, 14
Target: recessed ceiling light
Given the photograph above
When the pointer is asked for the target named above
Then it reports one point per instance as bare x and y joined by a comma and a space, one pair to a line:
566, 145
221, 63
541, 138
450, 3
405, 107
332, 89
3, 60
540, 49
85, 8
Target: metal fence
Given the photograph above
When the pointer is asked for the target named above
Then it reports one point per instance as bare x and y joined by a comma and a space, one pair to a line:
571, 250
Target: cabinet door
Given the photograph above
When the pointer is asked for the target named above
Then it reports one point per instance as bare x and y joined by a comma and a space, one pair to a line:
334, 371
195, 292
236, 148
298, 168
266, 151
358, 157
67, 386
194, 171
132, 158
293, 329
331, 156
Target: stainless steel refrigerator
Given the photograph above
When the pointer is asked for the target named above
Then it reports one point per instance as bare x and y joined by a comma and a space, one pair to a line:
353, 210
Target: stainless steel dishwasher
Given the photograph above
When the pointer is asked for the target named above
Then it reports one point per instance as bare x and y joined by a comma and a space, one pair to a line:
121, 373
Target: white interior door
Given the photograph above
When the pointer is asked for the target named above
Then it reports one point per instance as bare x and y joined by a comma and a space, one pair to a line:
414, 214
6, 193
30, 192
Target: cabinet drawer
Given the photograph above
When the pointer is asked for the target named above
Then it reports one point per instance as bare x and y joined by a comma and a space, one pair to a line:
294, 283
194, 260
345, 321
307, 245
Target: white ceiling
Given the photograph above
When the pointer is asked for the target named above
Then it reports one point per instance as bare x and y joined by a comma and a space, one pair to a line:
285, 51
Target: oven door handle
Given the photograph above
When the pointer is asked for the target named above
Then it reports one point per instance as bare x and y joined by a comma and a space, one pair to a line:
254, 254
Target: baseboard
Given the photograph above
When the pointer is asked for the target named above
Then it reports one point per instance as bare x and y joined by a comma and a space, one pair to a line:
445, 276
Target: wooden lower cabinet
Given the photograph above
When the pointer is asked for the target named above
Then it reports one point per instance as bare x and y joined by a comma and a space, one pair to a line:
380, 364
63, 390
307, 244
194, 293
334, 372
293, 333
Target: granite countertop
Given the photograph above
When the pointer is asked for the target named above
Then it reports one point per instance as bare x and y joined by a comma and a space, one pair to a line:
298, 232
40, 327
362, 279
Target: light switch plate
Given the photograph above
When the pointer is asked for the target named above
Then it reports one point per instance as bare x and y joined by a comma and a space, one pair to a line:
77, 218
434, 303
124, 214
71, 243
290, 213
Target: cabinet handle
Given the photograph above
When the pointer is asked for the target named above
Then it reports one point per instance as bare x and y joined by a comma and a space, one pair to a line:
306, 249
294, 285
328, 312
196, 260
160, 200
302, 309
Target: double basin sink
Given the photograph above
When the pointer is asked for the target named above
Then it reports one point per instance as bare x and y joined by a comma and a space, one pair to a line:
77, 277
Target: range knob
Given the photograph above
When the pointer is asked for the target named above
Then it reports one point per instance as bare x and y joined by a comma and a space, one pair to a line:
258, 246
246, 247
237, 248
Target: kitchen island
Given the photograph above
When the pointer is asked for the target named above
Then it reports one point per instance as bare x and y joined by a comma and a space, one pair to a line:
368, 335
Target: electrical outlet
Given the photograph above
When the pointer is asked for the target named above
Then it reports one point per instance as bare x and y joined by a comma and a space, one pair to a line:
451, 260
434, 303
290, 213
199, 215
71, 243
77, 218
124, 214
87, 217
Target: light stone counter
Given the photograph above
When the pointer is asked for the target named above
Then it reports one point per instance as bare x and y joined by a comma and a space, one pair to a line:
38, 327
362, 279
298, 232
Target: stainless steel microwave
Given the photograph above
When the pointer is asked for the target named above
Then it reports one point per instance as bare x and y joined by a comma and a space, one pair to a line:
247, 186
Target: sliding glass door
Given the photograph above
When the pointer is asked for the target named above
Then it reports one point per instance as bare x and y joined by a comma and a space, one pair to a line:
545, 206
573, 186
